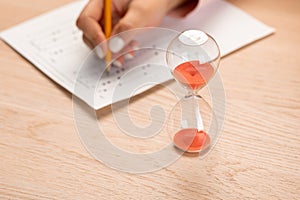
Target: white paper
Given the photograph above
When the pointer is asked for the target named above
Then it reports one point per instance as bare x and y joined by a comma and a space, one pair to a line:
54, 45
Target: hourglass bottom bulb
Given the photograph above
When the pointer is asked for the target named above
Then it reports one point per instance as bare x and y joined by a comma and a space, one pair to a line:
191, 140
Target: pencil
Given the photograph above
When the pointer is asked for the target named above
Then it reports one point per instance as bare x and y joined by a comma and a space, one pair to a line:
107, 29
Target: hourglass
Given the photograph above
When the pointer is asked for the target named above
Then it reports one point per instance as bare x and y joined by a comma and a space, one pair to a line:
193, 57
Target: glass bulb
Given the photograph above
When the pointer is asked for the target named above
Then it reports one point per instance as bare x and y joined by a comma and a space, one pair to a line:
193, 57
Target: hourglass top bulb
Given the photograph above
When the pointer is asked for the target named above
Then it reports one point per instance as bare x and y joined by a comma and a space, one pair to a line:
193, 56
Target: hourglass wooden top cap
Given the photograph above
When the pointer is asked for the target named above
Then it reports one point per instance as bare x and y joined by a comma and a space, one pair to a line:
193, 37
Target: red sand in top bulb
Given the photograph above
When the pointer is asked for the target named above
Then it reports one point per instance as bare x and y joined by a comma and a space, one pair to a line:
193, 74
191, 140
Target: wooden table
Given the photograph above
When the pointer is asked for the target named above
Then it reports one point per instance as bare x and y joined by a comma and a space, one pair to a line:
257, 156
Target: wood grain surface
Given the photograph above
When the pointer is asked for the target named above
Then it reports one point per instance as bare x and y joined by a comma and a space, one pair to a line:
257, 156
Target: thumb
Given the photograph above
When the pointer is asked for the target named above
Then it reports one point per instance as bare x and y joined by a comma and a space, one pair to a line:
137, 16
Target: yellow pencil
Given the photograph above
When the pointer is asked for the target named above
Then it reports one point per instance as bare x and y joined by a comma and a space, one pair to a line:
107, 28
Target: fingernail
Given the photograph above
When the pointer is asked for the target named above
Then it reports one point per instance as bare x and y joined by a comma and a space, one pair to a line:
135, 47
119, 62
129, 56
116, 44
99, 52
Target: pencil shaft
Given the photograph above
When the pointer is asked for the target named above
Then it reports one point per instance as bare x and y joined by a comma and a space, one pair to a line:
107, 18
107, 28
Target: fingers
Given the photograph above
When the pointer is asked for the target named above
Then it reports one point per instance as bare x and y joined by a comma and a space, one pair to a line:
88, 23
139, 14
87, 42
127, 53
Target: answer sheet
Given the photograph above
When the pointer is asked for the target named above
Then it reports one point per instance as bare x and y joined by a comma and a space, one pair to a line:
54, 45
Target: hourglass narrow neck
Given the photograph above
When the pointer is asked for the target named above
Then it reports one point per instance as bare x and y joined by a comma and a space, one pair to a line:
191, 93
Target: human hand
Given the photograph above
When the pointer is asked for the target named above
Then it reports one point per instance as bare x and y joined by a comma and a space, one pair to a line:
126, 14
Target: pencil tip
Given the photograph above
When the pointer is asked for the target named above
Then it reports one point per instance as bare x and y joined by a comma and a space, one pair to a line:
108, 69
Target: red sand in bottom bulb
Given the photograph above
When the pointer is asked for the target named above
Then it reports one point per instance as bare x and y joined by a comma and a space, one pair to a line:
191, 140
